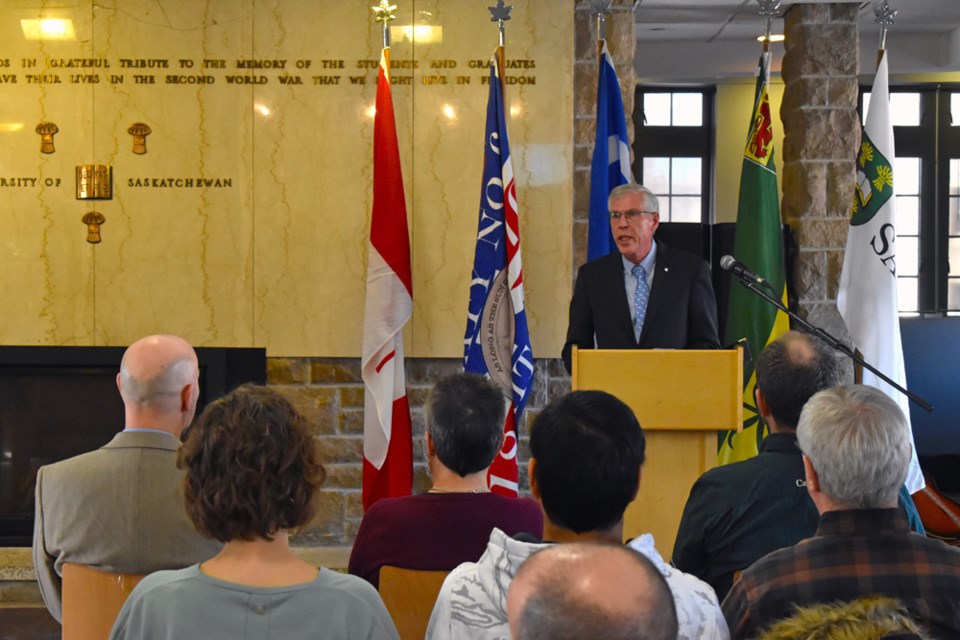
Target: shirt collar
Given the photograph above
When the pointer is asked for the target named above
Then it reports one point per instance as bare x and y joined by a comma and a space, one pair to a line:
782, 442
146, 430
648, 262
862, 522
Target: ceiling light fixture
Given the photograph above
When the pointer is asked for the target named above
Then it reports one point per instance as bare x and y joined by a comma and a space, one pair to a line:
48, 29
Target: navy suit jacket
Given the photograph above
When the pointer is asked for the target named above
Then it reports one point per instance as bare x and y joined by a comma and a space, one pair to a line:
681, 313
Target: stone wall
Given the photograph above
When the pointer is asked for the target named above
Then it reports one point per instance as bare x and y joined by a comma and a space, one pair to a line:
821, 137
329, 392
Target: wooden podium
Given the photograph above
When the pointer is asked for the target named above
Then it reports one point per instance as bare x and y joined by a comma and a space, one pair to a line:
682, 399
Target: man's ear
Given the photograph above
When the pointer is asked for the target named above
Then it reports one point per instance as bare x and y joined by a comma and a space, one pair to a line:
762, 407
813, 480
118, 385
431, 448
188, 397
532, 476
639, 479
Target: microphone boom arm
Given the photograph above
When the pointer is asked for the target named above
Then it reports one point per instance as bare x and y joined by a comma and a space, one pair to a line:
750, 284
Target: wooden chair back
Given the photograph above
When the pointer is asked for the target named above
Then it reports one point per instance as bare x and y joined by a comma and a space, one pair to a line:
92, 599
409, 595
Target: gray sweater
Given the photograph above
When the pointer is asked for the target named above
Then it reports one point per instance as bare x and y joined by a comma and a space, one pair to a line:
187, 604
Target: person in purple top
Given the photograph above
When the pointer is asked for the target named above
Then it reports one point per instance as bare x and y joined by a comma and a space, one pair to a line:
451, 523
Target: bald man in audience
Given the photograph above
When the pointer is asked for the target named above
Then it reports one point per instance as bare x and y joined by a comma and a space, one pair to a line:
590, 590
120, 508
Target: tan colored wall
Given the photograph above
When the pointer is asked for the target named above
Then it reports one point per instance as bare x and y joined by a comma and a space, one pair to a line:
278, 257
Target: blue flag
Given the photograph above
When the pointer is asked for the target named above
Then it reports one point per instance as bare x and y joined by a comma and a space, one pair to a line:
497, 342
611, 157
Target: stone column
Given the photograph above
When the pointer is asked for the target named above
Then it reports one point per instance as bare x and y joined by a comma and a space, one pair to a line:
821, 137
621, 43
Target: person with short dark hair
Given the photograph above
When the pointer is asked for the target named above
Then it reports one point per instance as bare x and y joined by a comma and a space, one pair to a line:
739, 512
252, 474
120, 508
590, 590
451, 523
587, 449
856, 450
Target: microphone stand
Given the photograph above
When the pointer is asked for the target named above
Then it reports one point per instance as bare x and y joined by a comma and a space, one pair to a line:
750, 284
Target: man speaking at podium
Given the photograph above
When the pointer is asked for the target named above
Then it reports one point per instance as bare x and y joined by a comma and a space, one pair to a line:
647, 296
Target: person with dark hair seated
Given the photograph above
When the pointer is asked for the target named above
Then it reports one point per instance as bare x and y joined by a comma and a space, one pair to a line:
252, 471
586, 453
451, 523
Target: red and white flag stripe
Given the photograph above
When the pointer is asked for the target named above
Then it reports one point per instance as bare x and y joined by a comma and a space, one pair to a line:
387, 442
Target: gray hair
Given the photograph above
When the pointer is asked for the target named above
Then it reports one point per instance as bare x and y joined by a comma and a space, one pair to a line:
651, 201
858, 441
161, 390
464, 416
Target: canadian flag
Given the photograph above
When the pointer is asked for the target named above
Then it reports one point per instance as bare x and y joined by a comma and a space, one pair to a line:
387, 442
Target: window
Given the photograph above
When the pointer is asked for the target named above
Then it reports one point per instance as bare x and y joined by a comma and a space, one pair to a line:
926, 170
672, 150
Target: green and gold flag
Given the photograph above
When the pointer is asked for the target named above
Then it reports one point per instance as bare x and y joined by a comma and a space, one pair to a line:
759, 246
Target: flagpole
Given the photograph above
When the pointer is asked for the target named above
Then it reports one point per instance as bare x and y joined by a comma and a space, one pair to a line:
769, 9
601, 8
884, 17
500, 14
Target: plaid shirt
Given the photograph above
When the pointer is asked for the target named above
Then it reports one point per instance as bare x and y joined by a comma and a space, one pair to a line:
853, 554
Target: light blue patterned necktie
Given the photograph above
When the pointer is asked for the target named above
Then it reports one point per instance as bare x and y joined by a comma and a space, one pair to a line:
641, 296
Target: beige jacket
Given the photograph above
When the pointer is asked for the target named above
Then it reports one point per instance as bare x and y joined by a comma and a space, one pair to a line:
119, 508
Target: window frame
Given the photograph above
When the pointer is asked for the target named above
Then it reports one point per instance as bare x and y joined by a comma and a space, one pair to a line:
668, 141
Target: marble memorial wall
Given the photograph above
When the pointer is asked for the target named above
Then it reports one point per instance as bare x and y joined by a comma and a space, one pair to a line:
242, 217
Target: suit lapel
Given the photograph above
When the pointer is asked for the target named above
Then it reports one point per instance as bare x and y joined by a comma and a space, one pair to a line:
621, 308
659, 290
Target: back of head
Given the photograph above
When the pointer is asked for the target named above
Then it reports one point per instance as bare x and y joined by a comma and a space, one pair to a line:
464, 416
590, 590
858, 442
154, 372
790, 370
588, 448
252, 466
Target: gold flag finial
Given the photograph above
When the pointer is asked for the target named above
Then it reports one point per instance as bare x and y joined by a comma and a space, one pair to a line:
384, 12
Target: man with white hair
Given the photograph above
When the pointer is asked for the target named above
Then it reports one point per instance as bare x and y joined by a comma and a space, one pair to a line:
590, 590
856, 449
120, 508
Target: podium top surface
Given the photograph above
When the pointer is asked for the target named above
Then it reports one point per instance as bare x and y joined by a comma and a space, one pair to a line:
698, 390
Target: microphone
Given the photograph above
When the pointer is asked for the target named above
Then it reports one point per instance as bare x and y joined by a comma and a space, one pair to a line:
729, 263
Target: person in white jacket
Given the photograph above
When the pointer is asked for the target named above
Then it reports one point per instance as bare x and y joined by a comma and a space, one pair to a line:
586, 449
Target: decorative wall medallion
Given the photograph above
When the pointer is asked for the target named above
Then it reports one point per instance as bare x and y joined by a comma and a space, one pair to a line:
94, 182
47, 130
139, 131
93, 220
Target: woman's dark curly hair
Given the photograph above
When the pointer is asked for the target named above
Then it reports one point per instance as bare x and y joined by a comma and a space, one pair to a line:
252, 467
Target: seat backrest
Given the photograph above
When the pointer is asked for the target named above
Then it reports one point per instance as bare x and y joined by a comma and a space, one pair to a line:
92, 599
409, 595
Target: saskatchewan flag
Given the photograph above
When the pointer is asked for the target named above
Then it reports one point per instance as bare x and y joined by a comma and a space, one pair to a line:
758, 245
867, 299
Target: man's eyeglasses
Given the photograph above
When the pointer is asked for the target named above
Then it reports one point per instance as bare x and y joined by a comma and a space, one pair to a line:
629, 214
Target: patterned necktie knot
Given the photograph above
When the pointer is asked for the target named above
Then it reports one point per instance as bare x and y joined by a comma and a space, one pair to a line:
641, 296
